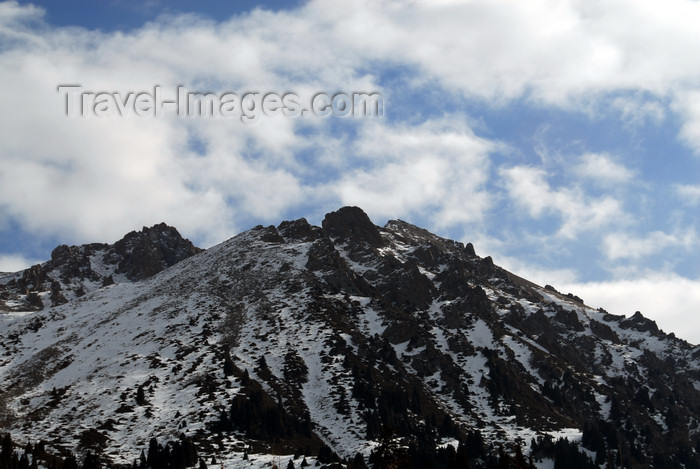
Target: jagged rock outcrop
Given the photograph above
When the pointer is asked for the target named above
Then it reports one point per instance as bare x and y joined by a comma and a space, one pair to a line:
145, 253
353, 225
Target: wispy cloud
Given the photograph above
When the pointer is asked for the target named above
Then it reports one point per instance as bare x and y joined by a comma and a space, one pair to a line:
529, 188
625, 246
439, 168
688, 193
602, 169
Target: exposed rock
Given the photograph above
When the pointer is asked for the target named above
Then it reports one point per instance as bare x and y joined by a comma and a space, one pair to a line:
640, 323
73, 262
575, 298
35, 300
538, 323
486, 266
33, 279
270, 234
569, 319
429, 256
469, 250
57, 297
324, 258
613, 317
299, 230
604, 331
145, 253
454, 279
408, 288
61, 254
352, 224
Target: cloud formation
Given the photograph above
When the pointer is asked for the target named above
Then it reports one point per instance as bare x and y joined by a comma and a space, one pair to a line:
529, 188
624, 246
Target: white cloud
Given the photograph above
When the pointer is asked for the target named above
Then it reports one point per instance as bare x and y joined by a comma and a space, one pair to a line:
639, 110
529, 188
439, 167
687, 105
689, 194
95, 179
15, 262
554, 50
624, 246
602, 169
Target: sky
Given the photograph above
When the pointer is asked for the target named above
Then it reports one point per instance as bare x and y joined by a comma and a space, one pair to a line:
562, 138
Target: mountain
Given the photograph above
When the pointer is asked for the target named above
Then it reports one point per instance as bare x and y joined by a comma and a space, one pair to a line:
75, 270
386, 346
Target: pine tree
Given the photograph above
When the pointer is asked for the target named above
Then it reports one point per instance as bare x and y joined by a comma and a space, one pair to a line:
91, 461
229, 367
70, 462
142, 460
6, 451
140, 396
23, 462
358, 462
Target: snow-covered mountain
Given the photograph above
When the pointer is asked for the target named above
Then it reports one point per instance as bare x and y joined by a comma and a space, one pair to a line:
347, 339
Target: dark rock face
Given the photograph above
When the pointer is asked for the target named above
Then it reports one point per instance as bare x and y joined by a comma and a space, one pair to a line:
469, 250
73, 262
57, 297
323, 258
640, 323
299, 230
408, 289
145, 253
33, 279
270, 234
604, 331
352, 224
454, 279
569, 319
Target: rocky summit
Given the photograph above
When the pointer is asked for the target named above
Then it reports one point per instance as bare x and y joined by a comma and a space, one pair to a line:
345, 345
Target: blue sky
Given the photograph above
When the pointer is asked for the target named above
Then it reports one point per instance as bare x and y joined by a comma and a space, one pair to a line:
561, 138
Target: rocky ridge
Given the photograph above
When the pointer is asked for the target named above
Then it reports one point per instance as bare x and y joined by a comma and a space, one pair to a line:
329, 339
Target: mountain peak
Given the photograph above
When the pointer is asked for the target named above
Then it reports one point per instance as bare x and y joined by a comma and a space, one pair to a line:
145, 253
352, 224
348, 341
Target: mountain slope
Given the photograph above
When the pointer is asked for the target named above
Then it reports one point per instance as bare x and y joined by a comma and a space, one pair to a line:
299, 336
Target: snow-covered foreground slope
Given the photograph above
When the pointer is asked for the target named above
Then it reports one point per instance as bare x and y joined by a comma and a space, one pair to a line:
346, 330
